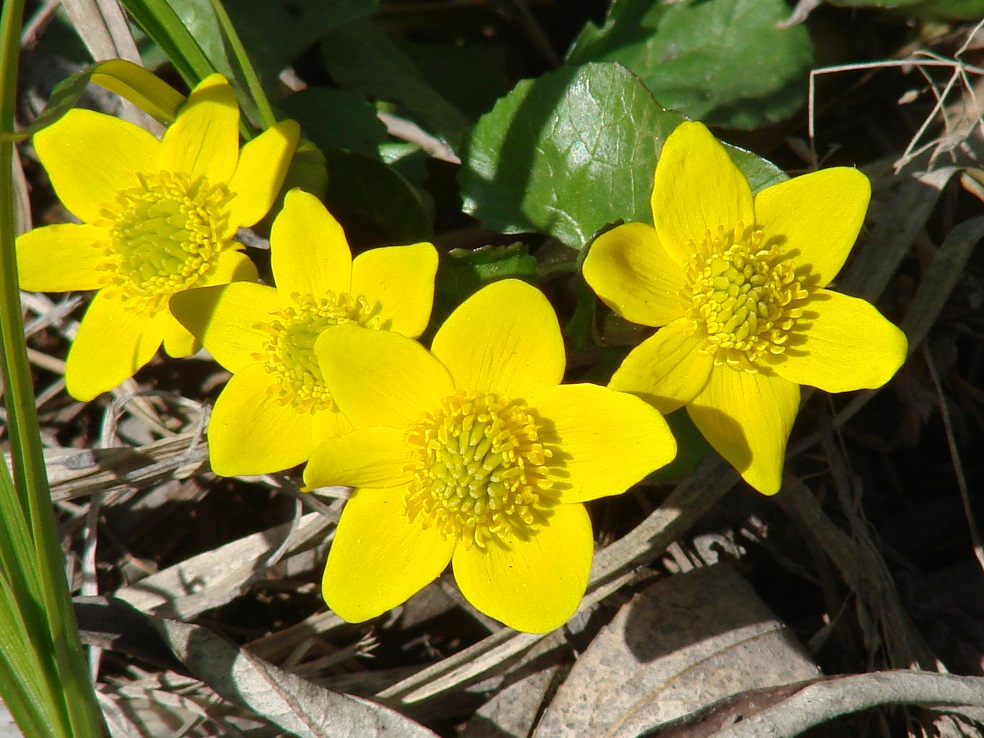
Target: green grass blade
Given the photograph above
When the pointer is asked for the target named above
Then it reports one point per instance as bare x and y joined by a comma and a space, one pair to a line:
37, 606
246, 69
164, 26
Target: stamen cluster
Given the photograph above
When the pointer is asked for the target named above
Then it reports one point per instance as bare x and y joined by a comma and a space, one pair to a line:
744, 298
289, 348
164, 235
480, 471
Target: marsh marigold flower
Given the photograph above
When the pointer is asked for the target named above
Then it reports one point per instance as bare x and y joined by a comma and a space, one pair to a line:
738, 283
474, 454
277, 406
158, 217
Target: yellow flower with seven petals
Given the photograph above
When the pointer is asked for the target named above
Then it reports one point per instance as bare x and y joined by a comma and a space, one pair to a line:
277, 407
157, 217
738, 283
474, 454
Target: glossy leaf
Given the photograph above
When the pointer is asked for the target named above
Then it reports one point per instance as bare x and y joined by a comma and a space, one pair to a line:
363, 59
571, 152
336, 119
374, 204
725, 62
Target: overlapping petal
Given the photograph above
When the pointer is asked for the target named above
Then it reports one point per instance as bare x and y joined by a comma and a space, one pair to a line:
228, 319
368, 457
668, 369
534, 584
204, 139
816, 217
379, 558
697, 189
90, 157
380, 377
308, 249
178, 340
747, 418
848, 345
327, 424
586, 422
275, 437
114, 341
504, 339
63, 257
632, 273
400, 279
260, 173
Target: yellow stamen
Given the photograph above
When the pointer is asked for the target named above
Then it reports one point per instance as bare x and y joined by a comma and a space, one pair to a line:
744, 299
165, 234
481, 471
289, 350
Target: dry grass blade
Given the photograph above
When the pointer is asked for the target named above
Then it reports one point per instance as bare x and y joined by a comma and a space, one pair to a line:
823, 701
79, 472
217, 576
865, 572
298, 707
682, 644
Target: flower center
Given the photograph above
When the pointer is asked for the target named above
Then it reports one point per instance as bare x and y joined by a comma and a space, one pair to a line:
164, 235
744, 299
480, 470
289, 348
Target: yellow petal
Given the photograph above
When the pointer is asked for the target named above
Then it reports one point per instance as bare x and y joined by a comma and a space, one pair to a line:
848, 345
63, 257
401, 280
179, 342
251, 432
90, 157
503, 339
226, 319
260, 173
608, 440
329, 423
817, 217
369, 457
229, 266
632, 274
533, 585
380, 377
697, 189
112, 344
747, 419
308, 250
379, 559
668, 369
204, 140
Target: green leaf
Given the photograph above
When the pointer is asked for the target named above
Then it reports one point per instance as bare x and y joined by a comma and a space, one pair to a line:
573, 151
566, 154
725, 62
167, 29
336, 119
970, 10
374, 204
277, 32
464, 271
470, 77
363, 59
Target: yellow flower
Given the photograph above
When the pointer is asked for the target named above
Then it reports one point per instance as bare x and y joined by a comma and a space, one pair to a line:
739, 282
157, 217
474, 454
277, 407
